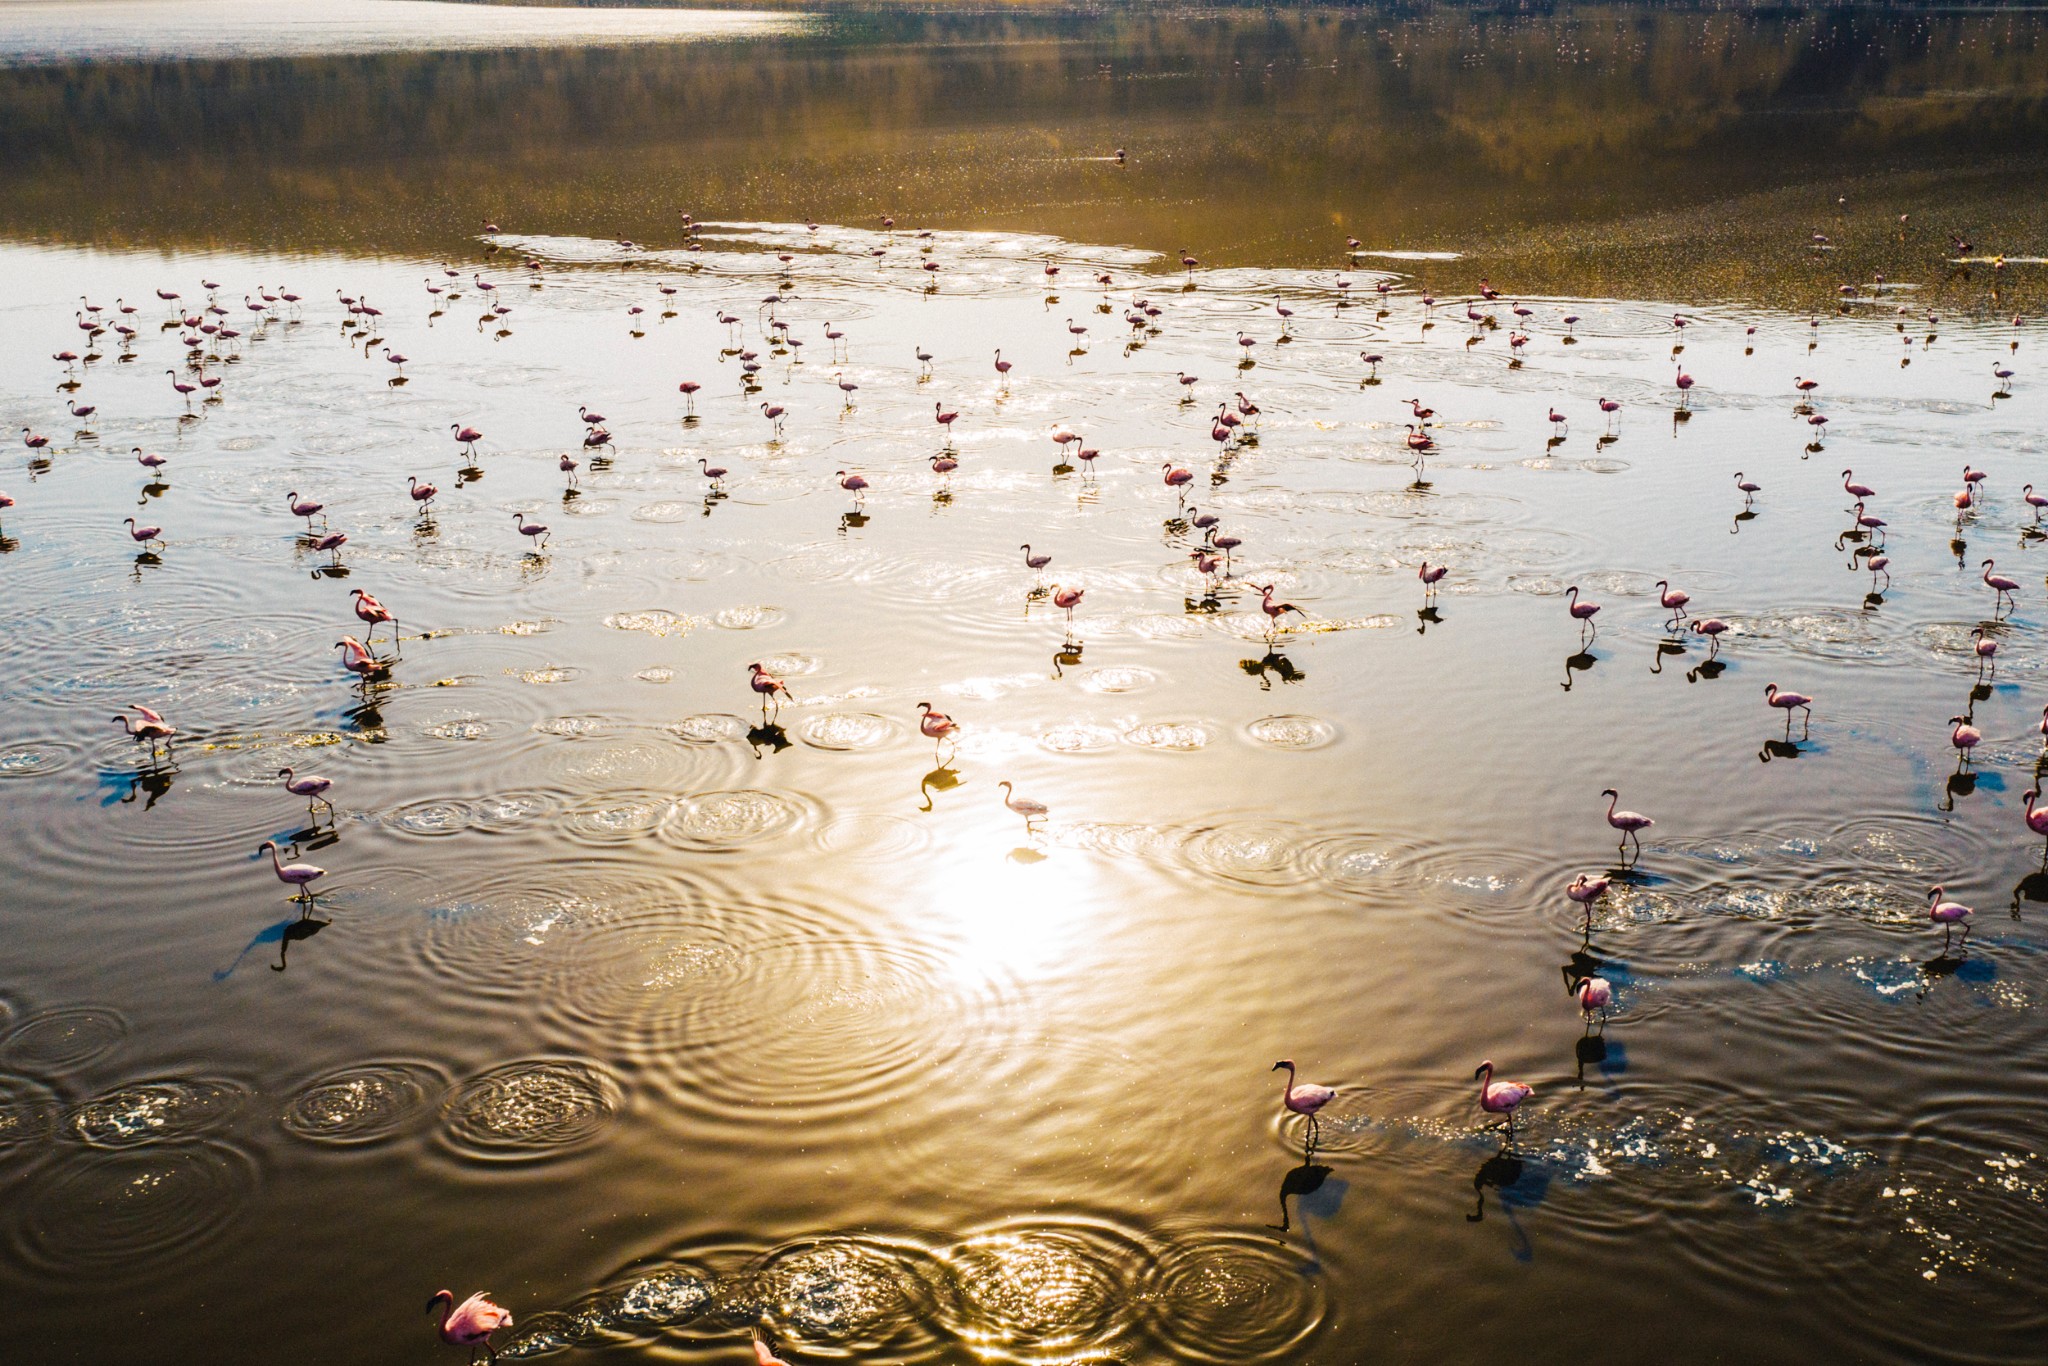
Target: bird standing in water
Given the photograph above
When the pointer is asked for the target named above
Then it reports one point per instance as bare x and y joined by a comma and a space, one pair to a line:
471, 1323
1304, 1098
1501, 1097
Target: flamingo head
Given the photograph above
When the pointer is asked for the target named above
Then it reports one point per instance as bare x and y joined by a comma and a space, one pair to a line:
1485, 1069
1959, 720
270, 847
1610, 792
756, 668
440, 1297
284, 773
1935, 893
1286, 1063
924, 707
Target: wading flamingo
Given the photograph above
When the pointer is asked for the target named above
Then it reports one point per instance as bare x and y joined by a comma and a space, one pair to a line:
1629, 823
471, 1323
1501, 1097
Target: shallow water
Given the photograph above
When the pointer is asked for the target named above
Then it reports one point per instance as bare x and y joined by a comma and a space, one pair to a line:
664, 1021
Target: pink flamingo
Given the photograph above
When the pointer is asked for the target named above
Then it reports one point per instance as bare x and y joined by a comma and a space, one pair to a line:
1067, 599
151, 727
1674, 602
184, 390
1986, 648
1948, 915
534, 532
1063, 438
1685, 383
846, 387
1749, 490
774, 412
2037, 821
935, 726
714, 473
299, 875
1431, 575
1371, 360
373, 612
311, 786
2034, 500
1879, 564
1965, 737
1187, 385
1803, 385
1303, 1098
466, 437
1595, 993
471, 1323
1965, 499
1789, 702
1586, 891
1558, 422
768, 687
144, 535
1026, 807
1610, 407
944, 465
304, 507
1419, 440
423, 494
332, 543
567, 462
1973, 476
148, 460
1583, 613
1037, 563
1855, 490
688, 389
945, 420
1713, 628
1420, 413
357, 659
2004, 589
1177, 477
1501, 1097
1003, 369
1275, 610
1875, 525
855, 484
33, 441
1629, 823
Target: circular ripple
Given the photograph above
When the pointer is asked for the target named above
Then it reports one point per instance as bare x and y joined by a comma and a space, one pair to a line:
537, 1108
361, 1104
1260, 853
617, 819
852, 1295
655, 621
843, 730
1291, 732
1077, 737
549, 675
35, 758
28, 1112
154, 1112
733, 819
1354, 862
1032, 1291
873, 835
484, 815
668, 512
1232, 1297
63, 1038
105, 1211
1179, 737
1119, 678
747, 618
709, 728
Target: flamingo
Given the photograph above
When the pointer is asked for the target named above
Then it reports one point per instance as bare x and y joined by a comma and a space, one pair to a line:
299, 875
1749, 490
1964, 737
1075, 331
423, 494
1788, 702
944, 465
1987, 649
184, 390
855, 484
1559, 422
1879, 564
1024, 806
149, 460
357, 659
2037, 821
2004, 589
1685, 383
935, 726
924, 359
714, 473
1610, 407
1586, 891
2034, 500
1371, 359
33, 441
1804, 385
1965, 499
1583, 612
1674, 601
846, 387
774, 412
1948, 915
471, 1323
533, 531
304, 507
1712, 628
945, 420
373, 612
311, 786
1275, 610
466, 437
1067, 598
151, 727
1421, 413
1303, 1098
1419, 440
1034, 562
1869, 523
1971, 475
1594, 994
1500, 1097
767, 686
1431, 575
1855, 490
144, 534
1629, 823
1177, 477
1003, 368
1187, 385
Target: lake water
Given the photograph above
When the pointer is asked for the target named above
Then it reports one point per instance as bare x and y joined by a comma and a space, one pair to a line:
668, 1019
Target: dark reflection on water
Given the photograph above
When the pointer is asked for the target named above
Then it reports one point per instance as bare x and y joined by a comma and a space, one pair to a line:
1604, 150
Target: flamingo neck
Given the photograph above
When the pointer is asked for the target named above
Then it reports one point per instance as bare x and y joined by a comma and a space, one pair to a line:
1287, 1092
1611, 801
1485, 1079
